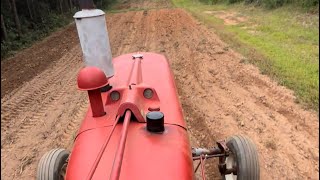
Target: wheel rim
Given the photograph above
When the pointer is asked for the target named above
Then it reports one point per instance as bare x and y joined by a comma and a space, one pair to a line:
230, 163
62, 172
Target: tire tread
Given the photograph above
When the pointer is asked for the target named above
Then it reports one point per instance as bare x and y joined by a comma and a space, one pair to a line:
49, 162
246, 156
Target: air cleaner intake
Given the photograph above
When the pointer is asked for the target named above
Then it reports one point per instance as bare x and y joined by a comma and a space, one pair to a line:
94, 39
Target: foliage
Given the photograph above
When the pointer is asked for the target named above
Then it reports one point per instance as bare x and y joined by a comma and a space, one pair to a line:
37, 19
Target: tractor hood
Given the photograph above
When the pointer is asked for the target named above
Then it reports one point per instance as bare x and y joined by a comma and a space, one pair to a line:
133, 76
142, 83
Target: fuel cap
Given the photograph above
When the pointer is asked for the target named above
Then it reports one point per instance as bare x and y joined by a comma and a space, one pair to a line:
155, 121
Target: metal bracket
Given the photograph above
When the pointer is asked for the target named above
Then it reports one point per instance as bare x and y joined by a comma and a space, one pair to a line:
137, 56
223, 146
222, 165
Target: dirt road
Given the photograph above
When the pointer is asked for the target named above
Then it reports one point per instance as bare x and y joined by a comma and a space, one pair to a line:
220, 95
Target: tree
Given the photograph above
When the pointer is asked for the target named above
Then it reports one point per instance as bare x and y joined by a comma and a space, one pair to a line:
60, 5
16, 17
29, 9
4, 30
70, 3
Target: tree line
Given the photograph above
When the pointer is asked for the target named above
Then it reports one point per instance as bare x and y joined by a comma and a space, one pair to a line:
271, 4
24, 21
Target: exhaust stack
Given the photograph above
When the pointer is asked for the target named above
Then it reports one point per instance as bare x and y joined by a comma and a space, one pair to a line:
94, 39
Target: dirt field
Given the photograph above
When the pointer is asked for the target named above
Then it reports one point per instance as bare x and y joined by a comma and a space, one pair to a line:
220, 95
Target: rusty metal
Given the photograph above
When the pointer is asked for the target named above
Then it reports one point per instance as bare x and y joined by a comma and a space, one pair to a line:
199, 151
221, 151
222, 165
208, 156
223, 146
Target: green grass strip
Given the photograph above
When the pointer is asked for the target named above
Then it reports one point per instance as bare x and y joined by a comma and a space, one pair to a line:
283, 43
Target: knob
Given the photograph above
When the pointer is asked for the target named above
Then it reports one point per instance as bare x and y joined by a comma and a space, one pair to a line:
155, 121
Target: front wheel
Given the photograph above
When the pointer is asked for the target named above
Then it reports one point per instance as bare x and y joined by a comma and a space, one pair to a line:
243, 158
52, 165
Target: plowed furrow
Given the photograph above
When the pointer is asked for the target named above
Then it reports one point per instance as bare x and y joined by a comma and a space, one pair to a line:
38, 85
39, 115
18, 106
67, 133
127, 40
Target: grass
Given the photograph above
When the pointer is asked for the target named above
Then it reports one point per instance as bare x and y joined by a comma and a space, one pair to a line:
283, 43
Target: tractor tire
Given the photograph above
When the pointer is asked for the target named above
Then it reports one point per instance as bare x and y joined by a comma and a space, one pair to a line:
245, 158
52, 165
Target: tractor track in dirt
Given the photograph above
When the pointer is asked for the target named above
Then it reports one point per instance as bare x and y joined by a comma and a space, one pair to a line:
31, 94
30, 62
220, 95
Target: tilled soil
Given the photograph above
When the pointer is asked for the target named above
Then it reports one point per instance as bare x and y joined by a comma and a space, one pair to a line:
125, 5
32, 61
220, 95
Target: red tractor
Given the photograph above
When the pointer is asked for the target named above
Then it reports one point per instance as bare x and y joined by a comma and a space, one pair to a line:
134, 127
135, 131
